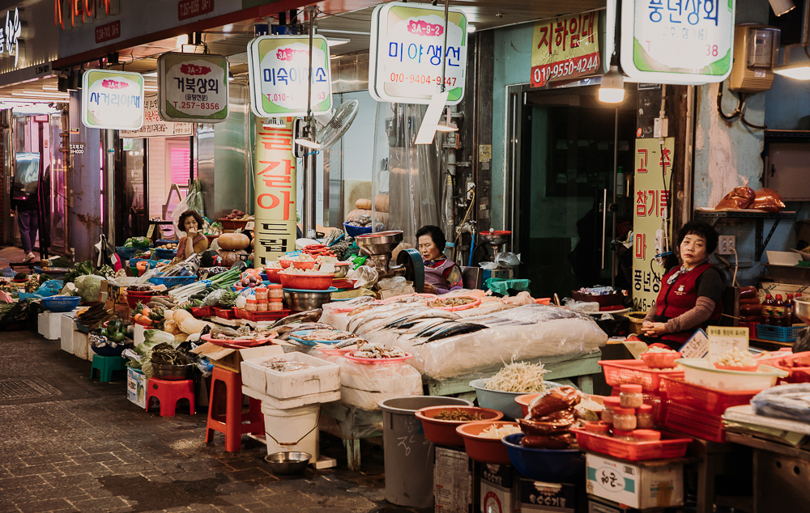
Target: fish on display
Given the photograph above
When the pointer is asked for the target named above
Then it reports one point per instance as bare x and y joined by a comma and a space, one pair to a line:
309, 315
375, 314
458, 329
433, 328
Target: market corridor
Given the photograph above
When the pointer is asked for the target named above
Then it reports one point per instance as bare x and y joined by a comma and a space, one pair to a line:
73, 444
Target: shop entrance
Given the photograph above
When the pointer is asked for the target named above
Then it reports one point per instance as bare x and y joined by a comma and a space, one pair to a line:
564, 174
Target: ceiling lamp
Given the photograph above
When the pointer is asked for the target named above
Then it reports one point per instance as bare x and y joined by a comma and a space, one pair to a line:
781, 7
799, 69
612, 88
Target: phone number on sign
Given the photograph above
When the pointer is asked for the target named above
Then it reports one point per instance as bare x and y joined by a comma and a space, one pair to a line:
398, 78
196, 105
568, 68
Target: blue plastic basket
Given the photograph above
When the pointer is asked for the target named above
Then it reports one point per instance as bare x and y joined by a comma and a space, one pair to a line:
778, 333
126, 253
354, 231
173, 281
552, 466
164, 254
60, 303
161, 242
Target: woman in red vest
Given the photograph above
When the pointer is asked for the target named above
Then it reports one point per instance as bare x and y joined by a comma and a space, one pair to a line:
690, 293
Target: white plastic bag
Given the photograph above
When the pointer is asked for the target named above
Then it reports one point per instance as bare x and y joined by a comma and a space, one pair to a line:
89, 287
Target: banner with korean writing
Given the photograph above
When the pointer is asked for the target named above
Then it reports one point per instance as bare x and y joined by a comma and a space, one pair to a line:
405, 54
274, 182
112, 99
278, 71
565, 48
153, 126
193, 88
651, 203
676, 41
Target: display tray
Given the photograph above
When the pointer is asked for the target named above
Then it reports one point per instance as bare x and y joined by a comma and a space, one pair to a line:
377, 361
261, 316
668, 447
636, 372
325, 291
706, 399
296, 335
224, 313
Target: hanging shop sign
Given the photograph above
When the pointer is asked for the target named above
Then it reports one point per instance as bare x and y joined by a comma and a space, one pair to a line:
278, 70
153, 125
274, 183
653, 172
665, 42
565, 48
407, 49
112, 99
193, 88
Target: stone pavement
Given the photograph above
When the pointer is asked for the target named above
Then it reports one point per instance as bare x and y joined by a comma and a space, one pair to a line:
69, 443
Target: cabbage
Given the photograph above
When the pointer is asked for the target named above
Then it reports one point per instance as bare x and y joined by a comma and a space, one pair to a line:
89, 287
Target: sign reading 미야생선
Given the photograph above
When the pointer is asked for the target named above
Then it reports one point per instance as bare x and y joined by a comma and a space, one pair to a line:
565, 48
193, 88
112, 99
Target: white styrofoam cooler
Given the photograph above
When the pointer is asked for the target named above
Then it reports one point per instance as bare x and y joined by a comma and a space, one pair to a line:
293, 402
81, 345
49, 325
68, 326
320, 377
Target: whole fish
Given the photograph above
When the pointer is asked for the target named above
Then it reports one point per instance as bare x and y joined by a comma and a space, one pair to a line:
309, 315
458, 329
433, 328
378, 313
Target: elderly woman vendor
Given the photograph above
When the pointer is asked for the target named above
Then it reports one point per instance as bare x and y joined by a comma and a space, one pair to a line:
441, 274
690, 293
193, 242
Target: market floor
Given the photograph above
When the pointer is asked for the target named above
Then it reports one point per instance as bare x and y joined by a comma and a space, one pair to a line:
73, 444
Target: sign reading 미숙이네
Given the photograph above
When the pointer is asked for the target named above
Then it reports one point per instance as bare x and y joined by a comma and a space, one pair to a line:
565, 48
112, 99
193, 88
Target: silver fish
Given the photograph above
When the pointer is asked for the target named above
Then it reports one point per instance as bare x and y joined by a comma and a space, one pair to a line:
458, 329
309, 315
433, 328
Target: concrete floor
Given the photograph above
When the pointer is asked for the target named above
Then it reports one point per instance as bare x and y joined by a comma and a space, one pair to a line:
73, 444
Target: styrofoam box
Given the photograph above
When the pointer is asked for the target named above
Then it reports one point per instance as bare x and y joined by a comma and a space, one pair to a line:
293, 402
68, 326
81, 345
49, 325
322, 376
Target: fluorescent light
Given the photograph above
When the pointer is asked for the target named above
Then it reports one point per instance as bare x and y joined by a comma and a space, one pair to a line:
470, 28
150, 74
336, 41
796, 73
612, 88
781, 7
799, 69
307, 143
182, 40
50, 88
37, 94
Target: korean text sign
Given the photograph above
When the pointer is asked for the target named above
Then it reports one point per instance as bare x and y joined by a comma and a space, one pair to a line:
677, 41
153, 126
279, 69
651, 202
407, 49
112, 99
274, 183
565, 48
193, 88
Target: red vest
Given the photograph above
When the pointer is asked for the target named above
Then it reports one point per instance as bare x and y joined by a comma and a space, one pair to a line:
680, 297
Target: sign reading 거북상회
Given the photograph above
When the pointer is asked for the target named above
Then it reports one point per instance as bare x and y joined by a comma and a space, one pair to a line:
193, 88
112, 99
565, 48
685, 42
407, 49
278, 71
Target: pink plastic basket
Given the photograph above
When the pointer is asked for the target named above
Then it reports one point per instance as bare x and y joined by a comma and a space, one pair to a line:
636, 372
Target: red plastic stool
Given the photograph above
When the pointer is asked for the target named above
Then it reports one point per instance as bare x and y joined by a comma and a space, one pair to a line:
168, 393
234, 423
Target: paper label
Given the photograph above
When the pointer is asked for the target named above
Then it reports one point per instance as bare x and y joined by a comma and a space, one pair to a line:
697, 346
723, 339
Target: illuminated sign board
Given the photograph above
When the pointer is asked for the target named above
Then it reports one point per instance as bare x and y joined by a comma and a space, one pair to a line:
112, 99
193, 88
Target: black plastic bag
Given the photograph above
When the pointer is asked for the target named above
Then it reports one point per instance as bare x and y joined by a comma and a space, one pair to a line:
802, 341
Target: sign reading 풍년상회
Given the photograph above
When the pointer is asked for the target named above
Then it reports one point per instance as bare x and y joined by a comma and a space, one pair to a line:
683, 42
407, 49
193, 88
565, 48
278, 70
112, 99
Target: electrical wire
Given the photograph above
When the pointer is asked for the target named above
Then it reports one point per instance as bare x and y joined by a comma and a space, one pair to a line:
736, 266
458, 235
737, 111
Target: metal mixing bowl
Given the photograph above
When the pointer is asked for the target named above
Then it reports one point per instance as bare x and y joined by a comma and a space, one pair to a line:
288, 462
171, 372
303, 301
802, 309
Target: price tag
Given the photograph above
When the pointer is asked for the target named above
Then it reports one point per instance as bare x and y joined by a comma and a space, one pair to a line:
724, 338
249, 226
150, 231
328, 264
697, 346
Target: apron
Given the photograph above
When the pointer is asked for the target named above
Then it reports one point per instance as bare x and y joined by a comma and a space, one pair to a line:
436, 275
680, 297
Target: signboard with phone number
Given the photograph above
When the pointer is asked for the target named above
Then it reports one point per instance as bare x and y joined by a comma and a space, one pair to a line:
193, 88
565, 48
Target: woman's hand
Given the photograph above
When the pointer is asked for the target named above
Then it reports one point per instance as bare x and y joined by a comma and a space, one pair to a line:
429, 289
653, 329
191, 233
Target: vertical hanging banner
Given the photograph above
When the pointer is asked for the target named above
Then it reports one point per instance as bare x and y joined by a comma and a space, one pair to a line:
565, 48
666, 42
193, 88
278, 70
274, 184
407, 49
653, 174
112, 99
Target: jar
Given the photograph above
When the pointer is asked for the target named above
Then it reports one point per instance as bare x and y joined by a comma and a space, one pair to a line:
607, 413
646, 435
644, 415
261, 293
630, 396
251, 305
261, 306
625, 436
624, 419
275, 305
599, 428
275, 292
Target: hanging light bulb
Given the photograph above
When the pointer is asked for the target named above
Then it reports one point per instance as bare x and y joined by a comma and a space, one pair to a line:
612, 88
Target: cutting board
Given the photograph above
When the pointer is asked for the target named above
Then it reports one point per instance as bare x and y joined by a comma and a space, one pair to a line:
745, 413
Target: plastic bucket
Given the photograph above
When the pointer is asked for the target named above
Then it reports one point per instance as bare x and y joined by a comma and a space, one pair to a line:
408, 454
294, 429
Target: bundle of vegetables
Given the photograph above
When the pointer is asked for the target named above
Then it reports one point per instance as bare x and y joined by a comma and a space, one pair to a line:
114, 332
80, 269
220, 297
225, 281
137, 242
94, 316
145, 316
210, 272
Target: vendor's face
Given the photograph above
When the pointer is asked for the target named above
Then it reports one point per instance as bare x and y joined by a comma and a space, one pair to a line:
693, 250
428, 248
190, 223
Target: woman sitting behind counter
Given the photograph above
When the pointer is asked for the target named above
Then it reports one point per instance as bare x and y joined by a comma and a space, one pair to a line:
441, 274
193, 241
690, 293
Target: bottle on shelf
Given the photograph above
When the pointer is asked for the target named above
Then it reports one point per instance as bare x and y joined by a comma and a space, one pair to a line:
790, 310
767, 309
778, 317
796, 319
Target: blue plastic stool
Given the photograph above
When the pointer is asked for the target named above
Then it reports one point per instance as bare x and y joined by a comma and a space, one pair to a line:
106, 365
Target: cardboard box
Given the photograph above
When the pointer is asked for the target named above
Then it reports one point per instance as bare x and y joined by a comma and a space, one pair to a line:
499, 490
230, 359
638, 485
136, 387
538, 496
602, 506
115, 295
453, 481
773, 288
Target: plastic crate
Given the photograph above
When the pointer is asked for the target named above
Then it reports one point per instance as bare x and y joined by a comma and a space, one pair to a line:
206, 311
636, 372
164, 254
668, 447
224, 313
173, 281
261, 316
705, 399
779, 333
697, 423
658, 401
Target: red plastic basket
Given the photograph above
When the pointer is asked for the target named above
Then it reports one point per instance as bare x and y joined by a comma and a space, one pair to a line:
705, 399
636, 372
667, 447
695, 422
261, 316
657, 401
206, 311
224, 313
786, 360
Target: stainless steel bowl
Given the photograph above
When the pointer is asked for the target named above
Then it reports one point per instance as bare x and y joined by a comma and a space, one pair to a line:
802, 308
171, 372
288, 462
303, 301
342, 269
